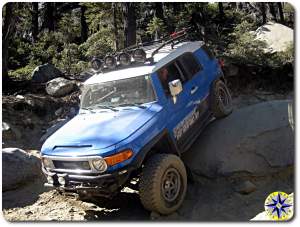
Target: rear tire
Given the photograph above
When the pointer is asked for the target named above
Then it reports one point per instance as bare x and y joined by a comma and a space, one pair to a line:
221, 100
163, 183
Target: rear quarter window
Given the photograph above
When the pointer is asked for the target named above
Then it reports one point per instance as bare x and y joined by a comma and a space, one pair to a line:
208, 52
189, 64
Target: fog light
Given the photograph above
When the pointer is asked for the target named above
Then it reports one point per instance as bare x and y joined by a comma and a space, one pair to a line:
139, 55
61, 180
124, 59
50, 180
96, 63
99, 164
110, 62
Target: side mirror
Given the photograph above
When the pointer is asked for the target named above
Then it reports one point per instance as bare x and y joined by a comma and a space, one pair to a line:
175, 88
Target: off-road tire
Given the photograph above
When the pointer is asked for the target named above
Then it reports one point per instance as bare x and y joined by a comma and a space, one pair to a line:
152, 183
221, 100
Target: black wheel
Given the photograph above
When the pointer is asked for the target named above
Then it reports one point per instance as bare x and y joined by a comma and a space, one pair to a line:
221, 100
163, 183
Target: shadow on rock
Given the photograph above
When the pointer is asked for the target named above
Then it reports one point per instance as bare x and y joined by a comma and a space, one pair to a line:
125, 206
24, 196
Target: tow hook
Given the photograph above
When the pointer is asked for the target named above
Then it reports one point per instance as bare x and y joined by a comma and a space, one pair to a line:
50, 178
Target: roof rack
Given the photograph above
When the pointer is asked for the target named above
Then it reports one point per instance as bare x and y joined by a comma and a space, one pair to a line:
173, 39
178, 37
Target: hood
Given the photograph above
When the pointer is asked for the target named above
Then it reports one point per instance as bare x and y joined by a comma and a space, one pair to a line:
97, 130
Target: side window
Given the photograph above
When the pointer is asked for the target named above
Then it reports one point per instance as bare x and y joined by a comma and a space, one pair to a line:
169, 73
189, 65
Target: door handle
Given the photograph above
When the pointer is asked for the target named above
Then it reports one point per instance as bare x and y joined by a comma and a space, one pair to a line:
194, 89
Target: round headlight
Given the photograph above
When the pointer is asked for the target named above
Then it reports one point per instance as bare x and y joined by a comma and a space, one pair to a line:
99, 164
47, 163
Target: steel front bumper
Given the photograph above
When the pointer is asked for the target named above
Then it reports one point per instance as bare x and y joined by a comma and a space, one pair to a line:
101, 185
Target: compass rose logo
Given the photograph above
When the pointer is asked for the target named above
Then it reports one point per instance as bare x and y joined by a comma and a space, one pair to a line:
279, 206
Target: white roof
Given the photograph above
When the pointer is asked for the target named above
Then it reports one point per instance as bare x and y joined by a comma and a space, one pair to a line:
120, 74
163, 57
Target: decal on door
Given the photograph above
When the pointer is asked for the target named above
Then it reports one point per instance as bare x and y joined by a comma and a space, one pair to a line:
185, 124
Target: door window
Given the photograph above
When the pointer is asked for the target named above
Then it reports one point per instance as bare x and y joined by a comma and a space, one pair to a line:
169, 73
189, 65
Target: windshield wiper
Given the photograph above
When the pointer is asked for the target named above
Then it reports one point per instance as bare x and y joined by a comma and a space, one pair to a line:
133, 104
106, 107
89, 109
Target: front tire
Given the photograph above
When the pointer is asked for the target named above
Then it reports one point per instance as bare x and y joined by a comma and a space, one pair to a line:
221, 100
163, 183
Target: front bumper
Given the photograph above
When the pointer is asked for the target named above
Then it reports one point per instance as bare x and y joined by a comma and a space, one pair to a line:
97, 184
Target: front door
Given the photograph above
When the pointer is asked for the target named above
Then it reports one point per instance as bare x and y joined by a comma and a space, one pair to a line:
183, 113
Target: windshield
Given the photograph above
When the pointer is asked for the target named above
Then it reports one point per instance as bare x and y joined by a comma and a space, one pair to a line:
130, 91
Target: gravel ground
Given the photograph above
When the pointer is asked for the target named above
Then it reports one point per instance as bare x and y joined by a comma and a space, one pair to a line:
206, 200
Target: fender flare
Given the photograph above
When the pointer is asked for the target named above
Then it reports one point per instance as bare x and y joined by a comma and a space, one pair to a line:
147, 149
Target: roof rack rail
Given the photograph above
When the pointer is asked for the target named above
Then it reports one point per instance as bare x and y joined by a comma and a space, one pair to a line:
178, 36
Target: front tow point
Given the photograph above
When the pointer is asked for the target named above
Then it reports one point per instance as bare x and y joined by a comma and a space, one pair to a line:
61, 180
50, 179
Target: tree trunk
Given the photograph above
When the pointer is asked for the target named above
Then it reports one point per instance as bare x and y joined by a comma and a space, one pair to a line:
279, 4
240, 6
221, 9
49, 19
233, 5
35, 21
7, 30
272, 11
177, 6
115, 25
159, 12
84, 26
263, 12
129, 23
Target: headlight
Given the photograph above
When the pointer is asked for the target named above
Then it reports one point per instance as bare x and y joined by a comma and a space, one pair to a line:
47, 163
99, 164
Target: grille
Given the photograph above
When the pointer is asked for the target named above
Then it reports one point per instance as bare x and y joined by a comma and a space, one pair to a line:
82, 165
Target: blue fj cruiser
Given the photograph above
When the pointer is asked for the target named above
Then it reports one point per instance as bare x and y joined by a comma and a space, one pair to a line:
137, 115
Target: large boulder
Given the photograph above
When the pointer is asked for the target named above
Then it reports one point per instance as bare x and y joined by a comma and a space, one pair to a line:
59, 87
10, 132
277, 36
256, 141
18, 168
44, 73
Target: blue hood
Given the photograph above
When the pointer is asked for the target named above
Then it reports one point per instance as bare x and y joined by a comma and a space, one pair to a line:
97, 130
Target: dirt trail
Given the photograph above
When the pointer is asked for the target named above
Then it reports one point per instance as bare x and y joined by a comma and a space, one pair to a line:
206, 200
